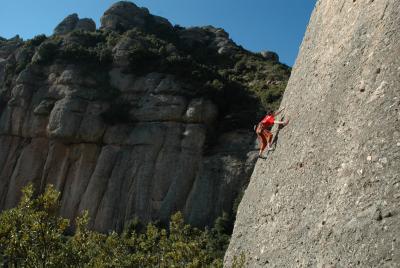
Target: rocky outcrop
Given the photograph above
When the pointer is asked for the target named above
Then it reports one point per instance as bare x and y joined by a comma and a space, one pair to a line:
125, 15
129, 124
86, 24
269, 55
72, 22
209, 36
328, 196
8, 46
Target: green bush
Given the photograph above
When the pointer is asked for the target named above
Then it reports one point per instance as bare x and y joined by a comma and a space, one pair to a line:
36, 41
33, 235
46, 52
143, 61
89, 48
87, 39
162, 31
99, 56
112, 39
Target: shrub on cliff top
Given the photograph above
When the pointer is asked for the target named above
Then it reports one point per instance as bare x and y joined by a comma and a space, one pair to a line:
46, 52
35, 41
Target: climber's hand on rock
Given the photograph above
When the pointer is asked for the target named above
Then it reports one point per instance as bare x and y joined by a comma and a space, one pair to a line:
287, 122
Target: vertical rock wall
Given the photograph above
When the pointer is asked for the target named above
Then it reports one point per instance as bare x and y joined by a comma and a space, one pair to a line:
329, 195
150, 168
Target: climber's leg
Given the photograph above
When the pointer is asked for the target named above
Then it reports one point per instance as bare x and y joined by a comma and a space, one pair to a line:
269, 139
262, 143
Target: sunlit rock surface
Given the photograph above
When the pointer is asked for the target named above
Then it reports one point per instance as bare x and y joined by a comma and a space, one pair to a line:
329, 195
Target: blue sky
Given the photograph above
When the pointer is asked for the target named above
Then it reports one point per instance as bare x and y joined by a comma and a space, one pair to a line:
276, 25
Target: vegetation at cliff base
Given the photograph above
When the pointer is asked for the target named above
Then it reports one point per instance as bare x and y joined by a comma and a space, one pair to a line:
33, 235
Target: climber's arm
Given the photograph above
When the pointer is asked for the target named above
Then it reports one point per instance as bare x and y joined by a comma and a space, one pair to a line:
278, 112
281, 122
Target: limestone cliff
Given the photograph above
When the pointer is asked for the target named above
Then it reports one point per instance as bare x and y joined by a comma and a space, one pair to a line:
137, 119
329, 195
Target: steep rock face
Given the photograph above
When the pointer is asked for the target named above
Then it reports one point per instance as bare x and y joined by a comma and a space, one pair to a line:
329, 195
146, 169
130, 124
72, 22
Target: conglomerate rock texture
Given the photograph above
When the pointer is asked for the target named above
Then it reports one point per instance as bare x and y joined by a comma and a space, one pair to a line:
329, 195
115, 120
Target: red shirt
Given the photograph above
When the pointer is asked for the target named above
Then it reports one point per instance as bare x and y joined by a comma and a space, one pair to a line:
268, 121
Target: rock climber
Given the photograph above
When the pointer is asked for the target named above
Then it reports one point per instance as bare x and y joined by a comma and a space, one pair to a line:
263, 130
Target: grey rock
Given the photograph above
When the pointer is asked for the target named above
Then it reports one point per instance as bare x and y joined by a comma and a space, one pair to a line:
123, 16
121, 51
269, 55
3, 64
219, 181
44, 108
9, 46
193, 36
148, 167
65, 119
162, 22
320, 198
67, 25
121, 81
219, 32
226, 50
16, 38
214, 38
72, 22
200, 110
86, 24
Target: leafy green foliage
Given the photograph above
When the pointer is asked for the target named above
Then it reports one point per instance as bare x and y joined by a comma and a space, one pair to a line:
162, 31
142, 60
32, 235
239, 261
35, 41
77, 47
28, 50
78, 53
46, 52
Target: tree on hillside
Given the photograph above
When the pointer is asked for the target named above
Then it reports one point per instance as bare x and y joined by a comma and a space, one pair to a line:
33, 235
